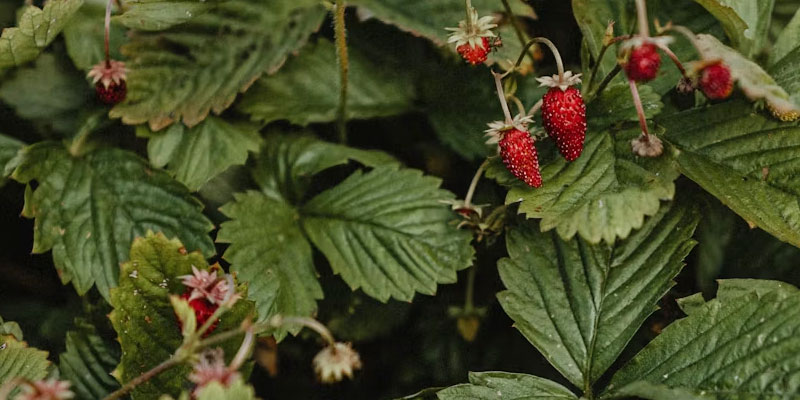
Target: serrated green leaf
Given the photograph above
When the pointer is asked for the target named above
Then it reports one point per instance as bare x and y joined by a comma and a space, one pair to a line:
387, 232
616, 105
89, 209
506, 386
784, 71
57, 100
35, 29
745, 159
751, 78
744, 346
238, 390
576, 301
9, 148
604, 194
746, 22
196, 155
88, 362
374, 91
269, 251
16, 358
287, 163
144, 318
183, 73
84, 36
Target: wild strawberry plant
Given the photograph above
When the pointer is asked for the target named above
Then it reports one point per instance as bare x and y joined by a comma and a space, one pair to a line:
292, 199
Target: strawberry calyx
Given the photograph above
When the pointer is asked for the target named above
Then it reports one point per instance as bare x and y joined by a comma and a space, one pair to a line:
471, 37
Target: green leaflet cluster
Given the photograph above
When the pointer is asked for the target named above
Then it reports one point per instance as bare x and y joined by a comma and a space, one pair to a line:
384, 231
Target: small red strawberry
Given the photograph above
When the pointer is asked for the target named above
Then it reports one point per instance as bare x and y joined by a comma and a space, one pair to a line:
203, 310
643, 63
564, 113
109, 81
520, 156
472, 37
715, 81
475, 54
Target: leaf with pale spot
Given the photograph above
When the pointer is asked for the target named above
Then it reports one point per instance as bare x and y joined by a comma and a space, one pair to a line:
35, 30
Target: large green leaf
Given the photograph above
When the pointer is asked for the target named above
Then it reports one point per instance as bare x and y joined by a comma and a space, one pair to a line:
742, 345
387, 232
144, 319
784, 71
196, 155
89, 209
579, 303
84, 36
36, 28
306, 90
746, 22
88, 362
604, 194
16, 358
287, 163
748, 161
269, 251
187, 71
506, 386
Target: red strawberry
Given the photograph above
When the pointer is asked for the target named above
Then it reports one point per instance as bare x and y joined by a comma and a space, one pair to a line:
643, 63
475, 54
564, 117
203, 309
716, 82
112, 94
520, 156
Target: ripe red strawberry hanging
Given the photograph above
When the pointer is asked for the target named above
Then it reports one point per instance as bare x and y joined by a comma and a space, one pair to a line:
109, 81
517, 149
564, 113
643, 62
472, 37
203, 310
715, 81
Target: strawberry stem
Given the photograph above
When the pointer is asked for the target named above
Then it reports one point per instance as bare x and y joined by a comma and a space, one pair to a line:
672, 57
468, 8
689, 35
639, 109
474, 183
535, 107
517, 29
244, 350
344, 66
553, 49
107, 30
502, 96
641, 14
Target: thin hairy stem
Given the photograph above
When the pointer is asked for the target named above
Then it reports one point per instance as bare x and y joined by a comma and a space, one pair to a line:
344, 66
672, 57
517, 28
167, 364
641, 14
602, 86
469, 304
474, 183
107, 30
468, 9
598, 62
639, 109
553, 49
535, 107
498, 82
518, 103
